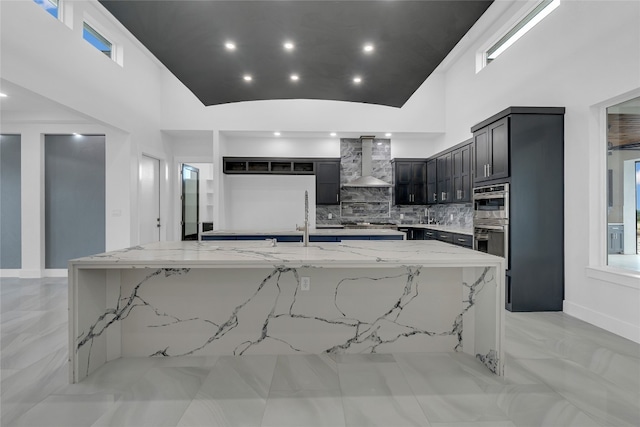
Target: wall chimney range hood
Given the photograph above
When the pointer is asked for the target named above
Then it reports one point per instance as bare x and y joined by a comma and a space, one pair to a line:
366, 180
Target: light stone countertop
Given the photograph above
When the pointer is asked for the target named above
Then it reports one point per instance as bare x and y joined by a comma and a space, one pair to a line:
312, 232
445, 228
259, 254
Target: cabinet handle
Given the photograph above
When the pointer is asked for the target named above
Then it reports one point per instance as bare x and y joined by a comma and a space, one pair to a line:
489, 170
435, 197
461, 240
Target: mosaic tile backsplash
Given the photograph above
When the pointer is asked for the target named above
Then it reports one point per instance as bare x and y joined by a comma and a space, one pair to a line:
376, 204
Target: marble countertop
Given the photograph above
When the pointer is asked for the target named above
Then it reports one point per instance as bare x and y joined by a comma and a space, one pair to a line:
312, 232
445, 228
259, 254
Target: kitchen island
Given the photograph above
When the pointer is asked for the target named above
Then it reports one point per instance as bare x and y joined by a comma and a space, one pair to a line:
315, 235
246, 297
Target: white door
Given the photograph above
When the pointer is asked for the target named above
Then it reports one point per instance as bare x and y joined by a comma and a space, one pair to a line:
149, 200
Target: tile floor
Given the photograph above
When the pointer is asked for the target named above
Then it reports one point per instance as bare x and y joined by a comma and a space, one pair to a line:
560, 372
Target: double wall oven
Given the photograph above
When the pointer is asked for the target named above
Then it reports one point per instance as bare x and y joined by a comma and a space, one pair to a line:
491, 220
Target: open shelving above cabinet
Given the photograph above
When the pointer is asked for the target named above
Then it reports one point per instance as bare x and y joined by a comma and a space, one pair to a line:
268, 165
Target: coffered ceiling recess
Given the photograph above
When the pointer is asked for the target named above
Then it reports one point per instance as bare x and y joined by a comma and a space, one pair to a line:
230, 51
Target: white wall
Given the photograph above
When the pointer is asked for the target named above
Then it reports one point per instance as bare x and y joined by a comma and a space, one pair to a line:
582, 56
268, 202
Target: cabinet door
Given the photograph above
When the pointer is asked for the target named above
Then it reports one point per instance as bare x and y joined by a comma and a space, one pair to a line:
461, 174
499, 149
419, 183
444, 178
402, 183
432, 182
328, 183
480, 154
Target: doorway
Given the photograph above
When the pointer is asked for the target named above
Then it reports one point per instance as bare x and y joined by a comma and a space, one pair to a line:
149, 183
190, 177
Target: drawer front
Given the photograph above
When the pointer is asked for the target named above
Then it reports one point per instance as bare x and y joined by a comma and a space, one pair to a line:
463, 240
430, 234
445, 237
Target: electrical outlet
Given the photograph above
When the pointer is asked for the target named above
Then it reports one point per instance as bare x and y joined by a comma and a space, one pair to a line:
305, 283
401, 216
330, 216
451, 217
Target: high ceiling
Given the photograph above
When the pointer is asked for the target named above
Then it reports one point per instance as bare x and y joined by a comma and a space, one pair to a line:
409, 40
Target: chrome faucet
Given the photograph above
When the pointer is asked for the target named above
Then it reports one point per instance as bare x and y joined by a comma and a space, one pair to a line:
305, 227
273, 242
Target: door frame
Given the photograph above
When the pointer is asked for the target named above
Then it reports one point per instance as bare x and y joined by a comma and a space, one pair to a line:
183, 167
160, 198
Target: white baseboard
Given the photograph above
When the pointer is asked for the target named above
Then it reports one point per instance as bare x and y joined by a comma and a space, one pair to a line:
9, 272
55, 272
31, 274
604, 321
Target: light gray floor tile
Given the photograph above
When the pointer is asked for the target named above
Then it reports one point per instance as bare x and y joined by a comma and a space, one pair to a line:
234, 393
308, 408
305, 372
560, 371
67, 410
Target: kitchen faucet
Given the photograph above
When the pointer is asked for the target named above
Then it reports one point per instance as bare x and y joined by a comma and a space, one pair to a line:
305, 227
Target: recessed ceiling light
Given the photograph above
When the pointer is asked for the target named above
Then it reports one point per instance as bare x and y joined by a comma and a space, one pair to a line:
247, 78
332, 134
276, 133
230, 46
357, 79
368, 48
295, 77
388, 134
3, 95
76, 134
289, 45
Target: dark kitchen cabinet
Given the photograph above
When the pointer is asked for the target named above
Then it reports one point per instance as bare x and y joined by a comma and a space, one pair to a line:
413, 233
328, 182
410, 182
491, 151
524, 146
444, 178
432, 181
461, 174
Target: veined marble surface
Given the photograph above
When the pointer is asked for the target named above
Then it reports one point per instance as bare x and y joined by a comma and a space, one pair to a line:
312, 232
445, 228
560, 372
262, 254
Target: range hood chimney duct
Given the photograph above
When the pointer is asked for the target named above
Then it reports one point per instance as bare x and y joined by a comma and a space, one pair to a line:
366, 180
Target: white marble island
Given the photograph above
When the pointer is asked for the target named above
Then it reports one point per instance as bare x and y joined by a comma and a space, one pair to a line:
234, 298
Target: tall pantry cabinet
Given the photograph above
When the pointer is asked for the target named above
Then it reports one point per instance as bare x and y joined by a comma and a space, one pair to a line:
524, 146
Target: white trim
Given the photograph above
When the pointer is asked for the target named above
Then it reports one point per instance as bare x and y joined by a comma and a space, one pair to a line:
31, 274
55, 272
10, 272
628, 278
616, 326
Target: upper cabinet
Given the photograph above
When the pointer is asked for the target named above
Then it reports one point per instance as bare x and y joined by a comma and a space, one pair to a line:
409, 182
461, 173
432, 181
491, 151
328, 182
444, 177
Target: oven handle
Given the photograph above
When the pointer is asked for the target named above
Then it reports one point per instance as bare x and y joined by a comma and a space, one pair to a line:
490, 227
489, 196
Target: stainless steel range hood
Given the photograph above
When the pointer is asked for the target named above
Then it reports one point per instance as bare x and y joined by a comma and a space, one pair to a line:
366, 180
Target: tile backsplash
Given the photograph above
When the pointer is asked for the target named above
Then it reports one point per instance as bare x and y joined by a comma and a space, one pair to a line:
375, 204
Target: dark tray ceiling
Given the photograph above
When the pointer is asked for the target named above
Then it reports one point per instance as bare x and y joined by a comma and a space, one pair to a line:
410, 37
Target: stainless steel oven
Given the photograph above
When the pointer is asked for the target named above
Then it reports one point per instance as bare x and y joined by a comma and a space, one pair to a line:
491, 202
491, 220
